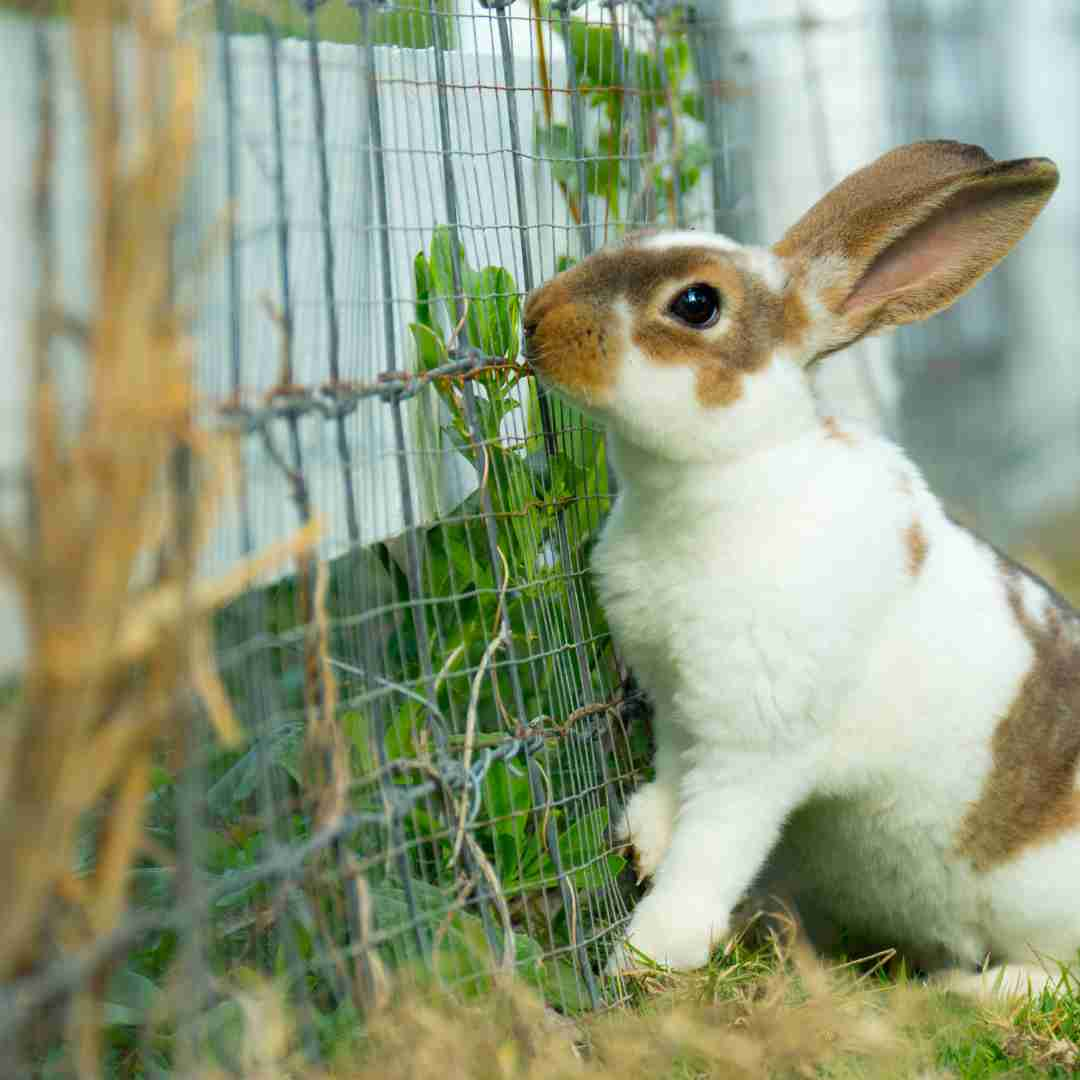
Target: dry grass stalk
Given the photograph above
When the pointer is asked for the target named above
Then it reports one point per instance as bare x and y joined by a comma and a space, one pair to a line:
798, 1020
119, 502
327, 753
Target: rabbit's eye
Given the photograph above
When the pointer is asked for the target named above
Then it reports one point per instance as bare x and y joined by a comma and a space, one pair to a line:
697, 306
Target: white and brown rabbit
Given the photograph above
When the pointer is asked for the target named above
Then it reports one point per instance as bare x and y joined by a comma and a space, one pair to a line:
859, 704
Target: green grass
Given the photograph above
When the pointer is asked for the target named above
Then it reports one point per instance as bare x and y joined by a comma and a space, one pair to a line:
1036, 1037
1032, 1037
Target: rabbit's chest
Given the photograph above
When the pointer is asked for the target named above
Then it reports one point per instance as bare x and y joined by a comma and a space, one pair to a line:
724, 641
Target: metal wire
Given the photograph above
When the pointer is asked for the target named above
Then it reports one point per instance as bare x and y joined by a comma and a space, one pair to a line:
392, 181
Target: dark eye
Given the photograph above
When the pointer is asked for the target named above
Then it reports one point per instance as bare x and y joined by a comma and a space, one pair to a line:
697, 306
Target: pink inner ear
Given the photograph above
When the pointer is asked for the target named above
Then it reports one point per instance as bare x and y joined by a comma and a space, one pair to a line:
940, 246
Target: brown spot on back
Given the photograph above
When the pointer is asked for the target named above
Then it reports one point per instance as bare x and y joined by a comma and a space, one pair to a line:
834, 431
916, 546
1031, 795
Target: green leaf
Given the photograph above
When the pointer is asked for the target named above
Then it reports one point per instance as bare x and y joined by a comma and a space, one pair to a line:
561, 985
424, 281
593, 51
442, 266
677, 59
464, 954
400, 735
225, 1025
507, 802
584, 839
129, 998
407, 25
493, 312
430, 349
581, 847
360, 733
693, 105
556, 143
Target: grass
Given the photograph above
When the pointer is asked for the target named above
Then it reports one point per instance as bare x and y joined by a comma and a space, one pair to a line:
771, 1010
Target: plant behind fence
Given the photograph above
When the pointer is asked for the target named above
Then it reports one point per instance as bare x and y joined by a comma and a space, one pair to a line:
432, 730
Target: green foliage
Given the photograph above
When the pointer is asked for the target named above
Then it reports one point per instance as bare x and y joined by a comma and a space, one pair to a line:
661, 97
407, 24
544, 508
487, 298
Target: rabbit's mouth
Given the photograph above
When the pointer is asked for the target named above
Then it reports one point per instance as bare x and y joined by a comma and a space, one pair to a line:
565, 337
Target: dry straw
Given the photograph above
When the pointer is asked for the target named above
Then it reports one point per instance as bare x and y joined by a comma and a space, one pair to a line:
120, 498
790, 1018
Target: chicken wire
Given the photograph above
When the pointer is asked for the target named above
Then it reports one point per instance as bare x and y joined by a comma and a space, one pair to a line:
487, 717
440, 734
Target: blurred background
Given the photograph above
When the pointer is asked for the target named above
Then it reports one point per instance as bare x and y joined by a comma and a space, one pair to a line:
434, 728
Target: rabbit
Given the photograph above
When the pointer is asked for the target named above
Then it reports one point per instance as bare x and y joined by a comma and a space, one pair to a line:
860, 706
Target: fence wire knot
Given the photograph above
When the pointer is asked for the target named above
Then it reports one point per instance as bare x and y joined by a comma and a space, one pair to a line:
337, 398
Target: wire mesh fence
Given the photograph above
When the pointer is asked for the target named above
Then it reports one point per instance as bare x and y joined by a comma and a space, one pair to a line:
487, 724
437, 732
423, 189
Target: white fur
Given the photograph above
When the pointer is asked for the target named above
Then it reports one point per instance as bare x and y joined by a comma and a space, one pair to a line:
801, 674
767, 266
824, 716
689, 238
828, 655
658, 411
646, 822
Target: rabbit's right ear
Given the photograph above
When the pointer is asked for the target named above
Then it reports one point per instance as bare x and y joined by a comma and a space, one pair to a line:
904, 237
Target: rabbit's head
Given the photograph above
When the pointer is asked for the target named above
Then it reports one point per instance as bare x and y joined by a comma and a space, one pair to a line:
694, 347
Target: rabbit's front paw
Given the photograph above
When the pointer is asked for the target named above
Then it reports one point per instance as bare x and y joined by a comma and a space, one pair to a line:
672, 930
646, 823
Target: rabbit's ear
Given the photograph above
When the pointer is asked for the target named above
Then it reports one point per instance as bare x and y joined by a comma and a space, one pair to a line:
904, 237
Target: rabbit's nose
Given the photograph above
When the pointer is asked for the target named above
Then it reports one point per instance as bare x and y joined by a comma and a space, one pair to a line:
530, 311
528, 332
531, 316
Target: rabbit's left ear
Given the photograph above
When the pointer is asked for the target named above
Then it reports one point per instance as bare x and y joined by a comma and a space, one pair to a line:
904, 237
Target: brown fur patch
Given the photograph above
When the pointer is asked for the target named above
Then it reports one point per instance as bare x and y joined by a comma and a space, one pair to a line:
570, 320
1031, 795
796, 319
834, 431
854, 218
917, 547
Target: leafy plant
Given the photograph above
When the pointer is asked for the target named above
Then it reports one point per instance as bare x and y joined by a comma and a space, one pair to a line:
631, 93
